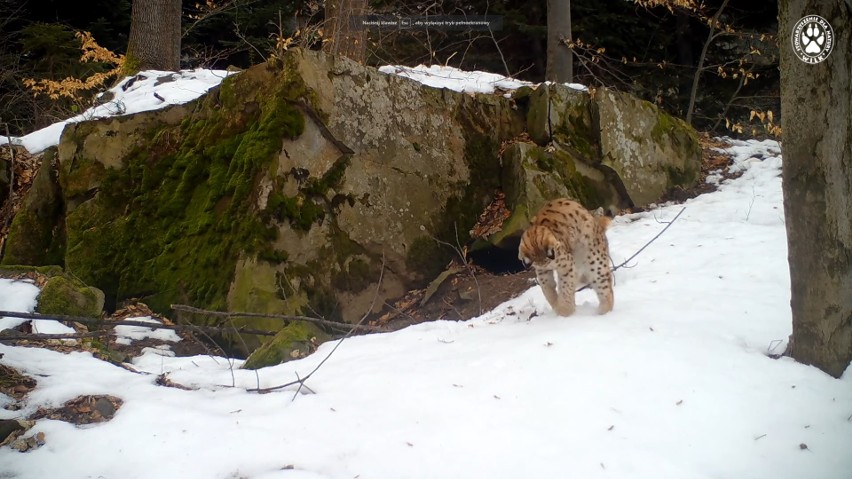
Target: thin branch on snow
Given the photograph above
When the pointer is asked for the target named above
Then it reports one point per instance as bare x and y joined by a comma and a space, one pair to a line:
285, 317
668, 225
123, 322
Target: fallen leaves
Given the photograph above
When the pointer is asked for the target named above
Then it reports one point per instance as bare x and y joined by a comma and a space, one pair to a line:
83, 410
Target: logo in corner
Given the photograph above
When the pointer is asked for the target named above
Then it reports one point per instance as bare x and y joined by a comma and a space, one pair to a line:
813, 39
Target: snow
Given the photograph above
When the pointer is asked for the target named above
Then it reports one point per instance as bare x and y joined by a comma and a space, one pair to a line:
674, 383
128, 334
454, 79
148, 90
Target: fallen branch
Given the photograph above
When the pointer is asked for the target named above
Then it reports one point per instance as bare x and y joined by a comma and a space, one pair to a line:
301, 380
48, 336
285, 317
127, 322
652, 239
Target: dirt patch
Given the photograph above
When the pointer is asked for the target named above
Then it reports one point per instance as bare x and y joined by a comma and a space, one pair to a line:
464, 292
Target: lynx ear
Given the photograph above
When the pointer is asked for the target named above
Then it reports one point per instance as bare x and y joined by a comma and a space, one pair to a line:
551, 254
526, 261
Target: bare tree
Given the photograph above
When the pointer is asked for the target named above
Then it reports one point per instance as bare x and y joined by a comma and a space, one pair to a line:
816, 107
346, 38
155, 35
560, 66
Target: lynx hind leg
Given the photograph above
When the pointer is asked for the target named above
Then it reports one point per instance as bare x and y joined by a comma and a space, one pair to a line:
548, 285
567, 289
603, 288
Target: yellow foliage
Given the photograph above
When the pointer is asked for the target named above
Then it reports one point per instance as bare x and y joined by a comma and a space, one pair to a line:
73, 88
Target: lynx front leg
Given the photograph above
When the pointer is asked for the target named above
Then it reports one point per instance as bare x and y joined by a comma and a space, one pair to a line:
548, 285
567, 287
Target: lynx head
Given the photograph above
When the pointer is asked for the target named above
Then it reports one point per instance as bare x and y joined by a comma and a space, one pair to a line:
538, 246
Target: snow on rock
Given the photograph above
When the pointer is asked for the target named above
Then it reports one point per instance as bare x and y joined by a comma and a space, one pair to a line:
148, 90
454, 79
17, 296
675, 383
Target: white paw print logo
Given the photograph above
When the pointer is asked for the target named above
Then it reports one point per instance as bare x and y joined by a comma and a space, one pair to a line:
813, 39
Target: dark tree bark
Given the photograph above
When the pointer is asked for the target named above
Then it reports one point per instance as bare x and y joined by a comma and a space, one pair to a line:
154, 36
346, 40
560, 67
816, 107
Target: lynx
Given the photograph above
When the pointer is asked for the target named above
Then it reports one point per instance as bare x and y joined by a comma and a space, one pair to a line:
565, 237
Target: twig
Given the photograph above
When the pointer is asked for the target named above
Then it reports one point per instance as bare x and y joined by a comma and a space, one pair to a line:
301, 381
46, 336
229, 314
126, 322
652, 239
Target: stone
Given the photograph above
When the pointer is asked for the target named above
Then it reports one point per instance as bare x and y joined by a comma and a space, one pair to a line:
67, 296
36, 236
294, 341
649, 150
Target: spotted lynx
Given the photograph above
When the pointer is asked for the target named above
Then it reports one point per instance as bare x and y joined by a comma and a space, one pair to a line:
565, 237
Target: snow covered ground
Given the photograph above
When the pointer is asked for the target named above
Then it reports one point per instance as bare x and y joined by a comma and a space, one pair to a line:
674, 383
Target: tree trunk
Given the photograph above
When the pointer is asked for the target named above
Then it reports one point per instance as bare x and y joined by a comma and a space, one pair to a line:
344, 39
154, 42
816, 107
560, 66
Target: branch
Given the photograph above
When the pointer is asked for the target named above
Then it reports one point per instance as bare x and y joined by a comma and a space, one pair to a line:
285, 317
45, 336
127, 322
301, 380
652, 239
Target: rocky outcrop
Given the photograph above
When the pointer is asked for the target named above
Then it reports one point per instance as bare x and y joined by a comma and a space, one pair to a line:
292, 187
36, 236
650, 151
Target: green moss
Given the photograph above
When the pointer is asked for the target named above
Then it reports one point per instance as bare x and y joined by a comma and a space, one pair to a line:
579, 187
664, 126
294, 341
66, 296
170, 226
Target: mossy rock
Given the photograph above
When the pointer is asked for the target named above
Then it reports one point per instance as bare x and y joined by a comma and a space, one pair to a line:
70, 297
534, 175
649, 150
36, 236
296, 340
